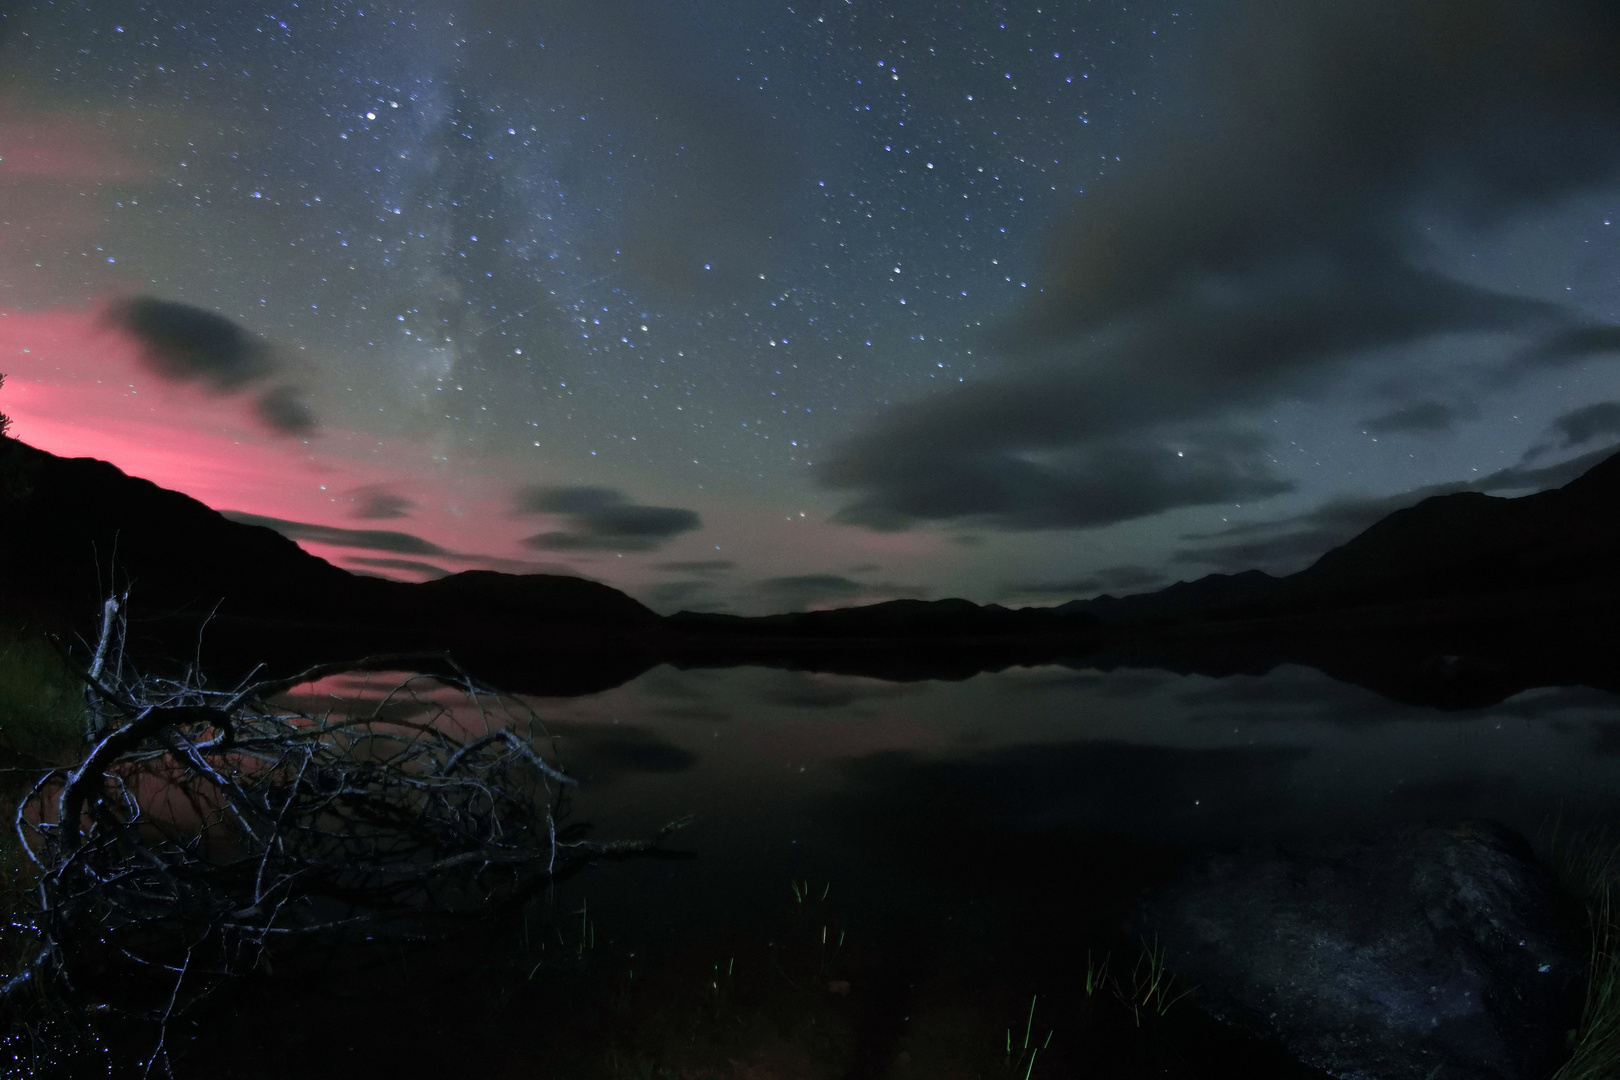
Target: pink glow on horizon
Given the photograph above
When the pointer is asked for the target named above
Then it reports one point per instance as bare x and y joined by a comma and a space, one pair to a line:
209, 447
62, 146
78, 387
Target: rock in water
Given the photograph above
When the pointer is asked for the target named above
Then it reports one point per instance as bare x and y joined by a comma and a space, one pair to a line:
1426, 954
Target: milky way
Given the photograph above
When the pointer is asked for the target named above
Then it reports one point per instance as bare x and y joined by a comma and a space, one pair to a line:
905, 299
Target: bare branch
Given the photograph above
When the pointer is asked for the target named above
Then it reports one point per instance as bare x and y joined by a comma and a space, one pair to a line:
209, 827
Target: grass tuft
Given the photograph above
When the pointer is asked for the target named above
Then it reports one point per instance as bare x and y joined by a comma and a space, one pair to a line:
1592, 871
1152, 988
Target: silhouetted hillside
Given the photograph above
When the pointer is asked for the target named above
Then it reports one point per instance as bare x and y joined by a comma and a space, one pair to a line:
75, 529
1470, 543
1184, 599
892, 618
1458, 600
1447, 547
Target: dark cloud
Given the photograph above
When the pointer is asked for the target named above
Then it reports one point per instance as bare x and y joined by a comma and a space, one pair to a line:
1253, 249
800, 591
285, 410
408, 565
1275, 552
602, 519
1290, 543
810, 588
379, 502
186, 344
1069, 589
1424, 418
1326, 124
702, 566
366, 539
1129, 577
1522, 478
1580, 426
691, 595
1576, 343
1113, 578
954, 471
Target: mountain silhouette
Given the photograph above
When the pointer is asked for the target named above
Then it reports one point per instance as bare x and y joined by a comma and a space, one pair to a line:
74, 530
1458, 600
1456, 546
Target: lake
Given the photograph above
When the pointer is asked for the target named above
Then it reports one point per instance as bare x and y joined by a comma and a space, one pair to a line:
895, 879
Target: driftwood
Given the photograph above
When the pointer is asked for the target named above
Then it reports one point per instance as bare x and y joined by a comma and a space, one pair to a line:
207, 829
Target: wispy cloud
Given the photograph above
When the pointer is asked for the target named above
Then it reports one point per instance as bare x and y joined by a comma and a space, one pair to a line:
1256, 247
798, 592
1290, 543
186, 344
602, 519
379, 502
1423, 418
409, 566
365, 539
1118, 578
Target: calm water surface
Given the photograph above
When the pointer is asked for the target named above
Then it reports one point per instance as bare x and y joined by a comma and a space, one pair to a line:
881, 877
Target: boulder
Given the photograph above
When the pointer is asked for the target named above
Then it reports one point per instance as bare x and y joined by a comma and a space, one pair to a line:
1425, 953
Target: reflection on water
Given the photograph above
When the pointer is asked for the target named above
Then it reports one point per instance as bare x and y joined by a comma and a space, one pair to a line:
968, 843
1148, 755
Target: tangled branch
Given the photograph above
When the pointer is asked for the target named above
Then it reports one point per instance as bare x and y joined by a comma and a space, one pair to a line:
206, 829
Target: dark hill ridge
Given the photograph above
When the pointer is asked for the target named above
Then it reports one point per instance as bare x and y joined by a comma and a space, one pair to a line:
1459, 601
892, 618
75, 527
1184, 599
1536, 577
81, 525
1446, 547
1474, 543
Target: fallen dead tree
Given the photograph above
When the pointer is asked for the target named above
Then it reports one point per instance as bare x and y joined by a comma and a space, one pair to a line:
207, 830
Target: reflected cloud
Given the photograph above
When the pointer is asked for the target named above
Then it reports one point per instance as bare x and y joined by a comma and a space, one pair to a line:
605, 754
1560, 702
1291, 694
696, 713
803, 690
1112, 684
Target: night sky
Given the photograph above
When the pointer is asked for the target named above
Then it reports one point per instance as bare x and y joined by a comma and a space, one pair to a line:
756, 306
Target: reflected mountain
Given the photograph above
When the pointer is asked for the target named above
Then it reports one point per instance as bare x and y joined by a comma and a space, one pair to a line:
1457, 602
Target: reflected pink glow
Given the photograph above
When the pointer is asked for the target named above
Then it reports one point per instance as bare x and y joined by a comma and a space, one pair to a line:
403, 696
